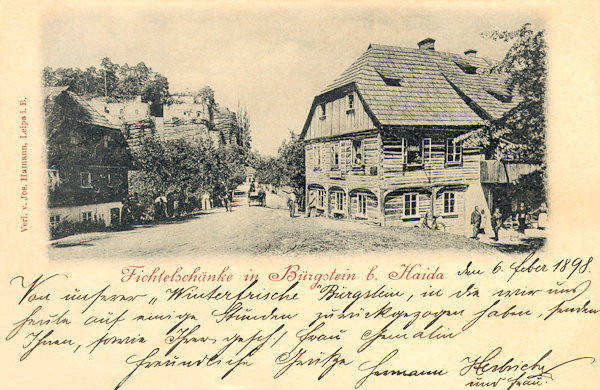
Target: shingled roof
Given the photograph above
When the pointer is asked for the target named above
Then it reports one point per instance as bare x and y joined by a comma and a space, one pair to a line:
93, 117
417, 87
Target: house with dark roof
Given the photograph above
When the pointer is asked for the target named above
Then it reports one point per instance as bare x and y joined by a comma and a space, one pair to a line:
387, 141
88, 161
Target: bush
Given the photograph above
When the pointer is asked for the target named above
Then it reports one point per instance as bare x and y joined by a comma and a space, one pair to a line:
68, 228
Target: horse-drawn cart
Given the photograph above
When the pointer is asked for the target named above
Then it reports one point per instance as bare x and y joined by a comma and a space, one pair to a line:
257, 198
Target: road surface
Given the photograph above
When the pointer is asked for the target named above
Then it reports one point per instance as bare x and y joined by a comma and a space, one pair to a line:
253, 231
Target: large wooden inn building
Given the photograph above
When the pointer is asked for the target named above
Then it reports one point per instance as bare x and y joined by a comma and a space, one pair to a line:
388, 140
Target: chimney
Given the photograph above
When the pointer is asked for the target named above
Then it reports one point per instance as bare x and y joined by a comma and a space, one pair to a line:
470, 52
427, 44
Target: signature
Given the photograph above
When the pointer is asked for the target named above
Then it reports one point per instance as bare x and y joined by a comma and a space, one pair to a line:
527, 373
375, 369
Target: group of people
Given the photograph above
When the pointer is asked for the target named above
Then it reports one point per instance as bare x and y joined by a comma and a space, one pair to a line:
520, 215
479, 222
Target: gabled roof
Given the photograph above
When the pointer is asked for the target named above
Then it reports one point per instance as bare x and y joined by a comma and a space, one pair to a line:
418, 87
93, 116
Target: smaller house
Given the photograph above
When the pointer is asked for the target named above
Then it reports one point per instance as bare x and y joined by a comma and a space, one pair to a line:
87, 159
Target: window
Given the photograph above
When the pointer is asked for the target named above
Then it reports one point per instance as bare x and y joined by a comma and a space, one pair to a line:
453, 152
410, 205
54, 220
416, 154
53, 179
323, 112
449, 202
338, 202
413, 153
86, 216
351, 101
113, 179
317, 155
361, 206
357, 152
345, 154
335, 155
121, 111
321, 199
106, 110
86, 179
426, 149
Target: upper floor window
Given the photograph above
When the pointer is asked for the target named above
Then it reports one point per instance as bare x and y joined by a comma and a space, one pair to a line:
86, 179
106, 140
335, 155
86, 216
317, 155
416, 153
113, 179
351, 101
53, 179
357, 152
323, 111
426, 149
453, 152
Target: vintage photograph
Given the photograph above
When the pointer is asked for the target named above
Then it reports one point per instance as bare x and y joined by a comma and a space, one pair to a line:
294, 130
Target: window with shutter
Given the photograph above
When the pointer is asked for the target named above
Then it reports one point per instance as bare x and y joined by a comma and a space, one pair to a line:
335, 155
345, 154
426, 150
357, 152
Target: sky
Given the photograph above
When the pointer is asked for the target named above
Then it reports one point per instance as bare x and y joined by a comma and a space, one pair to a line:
272, 58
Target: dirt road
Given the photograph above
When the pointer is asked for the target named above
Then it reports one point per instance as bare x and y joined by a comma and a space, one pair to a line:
252, 231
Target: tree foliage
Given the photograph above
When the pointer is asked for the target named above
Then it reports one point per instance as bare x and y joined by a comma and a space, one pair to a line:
525, 64
188, 168
287, 168
242, 128
113, 81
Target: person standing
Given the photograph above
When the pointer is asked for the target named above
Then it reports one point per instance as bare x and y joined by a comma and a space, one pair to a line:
496, 222
483, 221
475, 222
521, 217
312, 204
205, 201
229, 201
292, 204
542, 216
262, 196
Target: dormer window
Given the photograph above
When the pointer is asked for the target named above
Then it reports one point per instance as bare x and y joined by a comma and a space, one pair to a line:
466, 67
500, 96
390, 76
